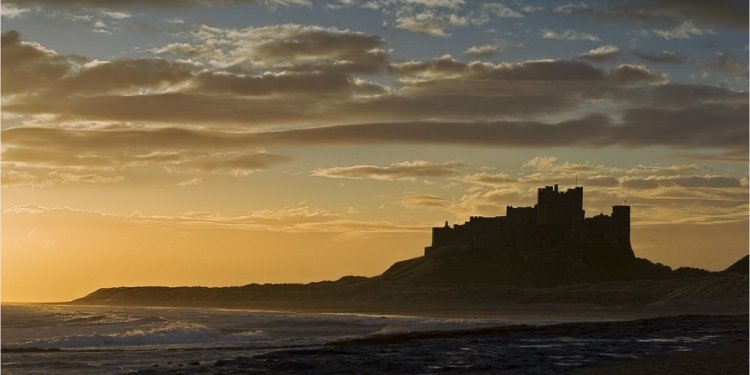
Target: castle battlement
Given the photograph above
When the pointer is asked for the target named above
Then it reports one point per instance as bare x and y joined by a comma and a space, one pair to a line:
557, 218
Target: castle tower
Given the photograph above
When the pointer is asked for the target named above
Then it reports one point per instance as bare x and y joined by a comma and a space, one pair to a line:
554, 206
621, 217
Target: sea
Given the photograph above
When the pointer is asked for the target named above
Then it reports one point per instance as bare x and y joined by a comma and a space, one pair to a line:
67, 339
70, 339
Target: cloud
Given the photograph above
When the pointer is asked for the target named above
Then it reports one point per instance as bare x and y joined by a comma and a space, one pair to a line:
284, 47
482, 50
570, 35
315, 83
85, 161
653, 182
190, 182
725, 62
292, 219
115, 14
158, 157
599, 181
663, 57
42, 178
571, 7
697, 127
730, 156
429, 22
92, 21
488, 179
64, 178
128, 76
683, 31
238, 164
416, 200
441, 101
533, 70
27, 66
500, 10
158, 92
12, 11
141, 89
408, 170
31, 68
603, 53
52, 157
677, 95
489, 11
170, 108
728, 13
531, 8
628, 73
707, 126
122, 4
491, 202
724, 13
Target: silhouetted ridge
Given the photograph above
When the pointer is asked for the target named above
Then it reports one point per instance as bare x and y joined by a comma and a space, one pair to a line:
740, 266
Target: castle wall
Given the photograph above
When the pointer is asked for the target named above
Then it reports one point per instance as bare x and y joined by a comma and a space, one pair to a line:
558, 217
478, 231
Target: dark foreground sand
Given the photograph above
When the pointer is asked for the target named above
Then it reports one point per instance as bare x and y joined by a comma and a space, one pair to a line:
728, 356
665, 345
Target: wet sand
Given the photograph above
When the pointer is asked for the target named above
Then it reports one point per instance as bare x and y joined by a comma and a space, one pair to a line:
665, 345
728, 356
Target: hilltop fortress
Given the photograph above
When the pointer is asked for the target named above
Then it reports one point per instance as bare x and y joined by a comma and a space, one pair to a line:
557, 219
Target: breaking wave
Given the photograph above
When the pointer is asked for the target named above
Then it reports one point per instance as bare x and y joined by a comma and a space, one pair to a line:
171, 334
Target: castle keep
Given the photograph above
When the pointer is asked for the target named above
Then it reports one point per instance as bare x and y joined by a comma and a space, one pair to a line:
557, 218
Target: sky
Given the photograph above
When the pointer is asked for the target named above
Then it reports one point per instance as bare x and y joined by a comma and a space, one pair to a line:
228, 142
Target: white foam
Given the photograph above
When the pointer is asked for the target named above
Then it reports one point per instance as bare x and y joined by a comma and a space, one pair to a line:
174, 333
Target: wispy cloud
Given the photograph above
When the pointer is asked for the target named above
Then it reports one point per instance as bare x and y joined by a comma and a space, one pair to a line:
408, 170
416, 200
684, 30
483, 50
12, 10
603, 53
570, 35
430, 23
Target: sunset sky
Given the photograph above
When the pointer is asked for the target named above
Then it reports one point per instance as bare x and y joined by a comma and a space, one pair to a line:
226, 142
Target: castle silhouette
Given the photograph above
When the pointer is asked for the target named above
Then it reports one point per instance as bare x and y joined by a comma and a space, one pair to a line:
557, 219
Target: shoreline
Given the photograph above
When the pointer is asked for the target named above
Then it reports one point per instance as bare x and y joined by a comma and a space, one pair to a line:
666, 346
233, 341
512, 312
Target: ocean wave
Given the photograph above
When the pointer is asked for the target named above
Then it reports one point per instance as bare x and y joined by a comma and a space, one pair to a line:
178, 333
175, 333
249, 334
